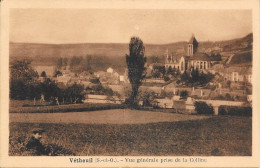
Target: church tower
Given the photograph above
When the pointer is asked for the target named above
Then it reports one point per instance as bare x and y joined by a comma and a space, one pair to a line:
168, 57
192, 46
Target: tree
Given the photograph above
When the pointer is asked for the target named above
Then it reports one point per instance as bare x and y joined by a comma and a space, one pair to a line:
59, 63
75, 93
89, 62
178, 72
154, 59
194, 75
23, 79
147, 96
169, 71
185, 77
184, 94
43, 74
75, 64
57, 73
228, 96
163, 70
166, 78
65, 62
228, 83
23, 70
49, 89
203, 108
174, 71
135, 63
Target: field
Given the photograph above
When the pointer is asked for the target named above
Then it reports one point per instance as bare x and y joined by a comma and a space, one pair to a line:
115, 116
184, 136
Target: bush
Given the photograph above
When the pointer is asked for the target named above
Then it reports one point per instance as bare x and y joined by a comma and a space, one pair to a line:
147, 97
57, 73
228, 96
95, 81
184, 94
43, 74
232, 110
75, 93
203, 108
166, 78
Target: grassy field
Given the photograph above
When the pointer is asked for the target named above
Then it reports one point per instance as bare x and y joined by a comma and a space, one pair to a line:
218, 135
113, 116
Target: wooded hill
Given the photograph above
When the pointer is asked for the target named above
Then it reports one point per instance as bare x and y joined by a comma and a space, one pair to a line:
47, 54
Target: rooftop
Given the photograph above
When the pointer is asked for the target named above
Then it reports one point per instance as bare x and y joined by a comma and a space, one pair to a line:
200, 56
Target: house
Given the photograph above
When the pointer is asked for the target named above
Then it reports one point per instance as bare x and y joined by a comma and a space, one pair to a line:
249, 98
247, 75
238, 74
201, 93
122, 78
216, 48
102, 99
107, 77
85, 83
96, 99
117, 88
63, 79
152, 80
110, 70
189, 105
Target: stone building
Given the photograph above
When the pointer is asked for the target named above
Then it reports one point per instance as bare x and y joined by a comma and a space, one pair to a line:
192, 59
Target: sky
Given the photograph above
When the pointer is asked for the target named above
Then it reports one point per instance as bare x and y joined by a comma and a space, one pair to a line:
154, 26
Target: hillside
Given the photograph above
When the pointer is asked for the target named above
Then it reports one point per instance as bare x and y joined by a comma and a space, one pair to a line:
241, 58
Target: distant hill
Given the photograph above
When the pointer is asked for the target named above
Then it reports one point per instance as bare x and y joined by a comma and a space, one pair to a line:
100, 49
48, 53
241, 44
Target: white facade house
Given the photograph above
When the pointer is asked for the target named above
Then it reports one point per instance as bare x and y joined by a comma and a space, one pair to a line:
110, 70
122, 78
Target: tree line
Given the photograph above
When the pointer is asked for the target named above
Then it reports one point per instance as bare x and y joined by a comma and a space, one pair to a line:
25, 84
195, 77
89, 63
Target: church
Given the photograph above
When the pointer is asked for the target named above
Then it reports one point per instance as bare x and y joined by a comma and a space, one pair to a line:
192, 59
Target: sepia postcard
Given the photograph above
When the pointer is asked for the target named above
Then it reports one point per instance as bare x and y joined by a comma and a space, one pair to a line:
127, 83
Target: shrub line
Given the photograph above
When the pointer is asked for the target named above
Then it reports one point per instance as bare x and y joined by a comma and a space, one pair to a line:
66, 108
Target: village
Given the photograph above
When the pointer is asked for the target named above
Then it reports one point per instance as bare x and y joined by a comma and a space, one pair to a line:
191, 74
131, 82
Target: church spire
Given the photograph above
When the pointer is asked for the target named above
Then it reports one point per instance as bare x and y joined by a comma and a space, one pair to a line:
192, 45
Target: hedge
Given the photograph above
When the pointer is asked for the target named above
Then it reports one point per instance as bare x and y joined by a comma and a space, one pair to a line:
66, 108
233, 110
